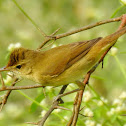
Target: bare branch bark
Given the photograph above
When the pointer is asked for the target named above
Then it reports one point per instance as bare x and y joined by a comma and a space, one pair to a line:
4, 100
20, 87
54, 105
79, 30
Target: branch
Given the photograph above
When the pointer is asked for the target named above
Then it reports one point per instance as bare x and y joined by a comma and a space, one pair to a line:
54, 106
74, 107
4, 100
79, 30
61, 95
77, 107
21, 87
77, 103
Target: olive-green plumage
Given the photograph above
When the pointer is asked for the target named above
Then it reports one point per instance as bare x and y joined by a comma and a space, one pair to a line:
63, 64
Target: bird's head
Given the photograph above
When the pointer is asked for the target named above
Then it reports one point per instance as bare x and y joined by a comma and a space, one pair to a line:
18, 61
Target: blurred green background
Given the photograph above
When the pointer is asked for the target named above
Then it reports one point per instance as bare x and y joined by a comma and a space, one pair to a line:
66, 15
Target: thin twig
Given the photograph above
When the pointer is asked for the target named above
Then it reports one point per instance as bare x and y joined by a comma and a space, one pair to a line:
78, 99
61, 95
77, 108
48, 38
4, 100
41, 123
74, 108
52, 35
78, 103
82, 108
55, 104
21, 87
80, 29
33, 123
85, 115
63, 108
88, 27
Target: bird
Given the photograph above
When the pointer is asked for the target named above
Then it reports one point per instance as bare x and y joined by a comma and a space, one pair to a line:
60, 65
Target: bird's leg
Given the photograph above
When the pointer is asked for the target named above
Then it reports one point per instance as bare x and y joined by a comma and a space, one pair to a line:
61, 92
61, 95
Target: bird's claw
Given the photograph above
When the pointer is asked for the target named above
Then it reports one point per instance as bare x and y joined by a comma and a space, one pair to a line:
58, 98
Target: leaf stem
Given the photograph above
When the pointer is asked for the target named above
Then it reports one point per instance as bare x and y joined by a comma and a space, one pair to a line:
119, 8
37, 27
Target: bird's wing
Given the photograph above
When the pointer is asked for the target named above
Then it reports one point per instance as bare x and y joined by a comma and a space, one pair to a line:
80, 50
62, 57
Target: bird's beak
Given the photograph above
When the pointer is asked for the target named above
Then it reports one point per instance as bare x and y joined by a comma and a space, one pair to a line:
4, 69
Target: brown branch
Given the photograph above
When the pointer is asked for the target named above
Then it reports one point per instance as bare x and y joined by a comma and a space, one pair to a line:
77, 108
41, 123
20, 87
78, 101
55, 104
63, 108
79, 30
70, 92
74, 107
4, 100
4, 88
48, 38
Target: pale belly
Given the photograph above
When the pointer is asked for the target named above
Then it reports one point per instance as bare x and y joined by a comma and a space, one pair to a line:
71, 75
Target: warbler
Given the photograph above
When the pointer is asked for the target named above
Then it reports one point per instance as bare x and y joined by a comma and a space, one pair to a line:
60, 65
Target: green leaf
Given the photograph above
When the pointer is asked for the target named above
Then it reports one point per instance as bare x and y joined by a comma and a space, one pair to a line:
34, 106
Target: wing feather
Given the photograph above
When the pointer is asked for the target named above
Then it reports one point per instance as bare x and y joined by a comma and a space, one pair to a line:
65, 56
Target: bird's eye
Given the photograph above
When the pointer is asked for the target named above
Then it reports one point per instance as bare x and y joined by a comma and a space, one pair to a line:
19, 66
